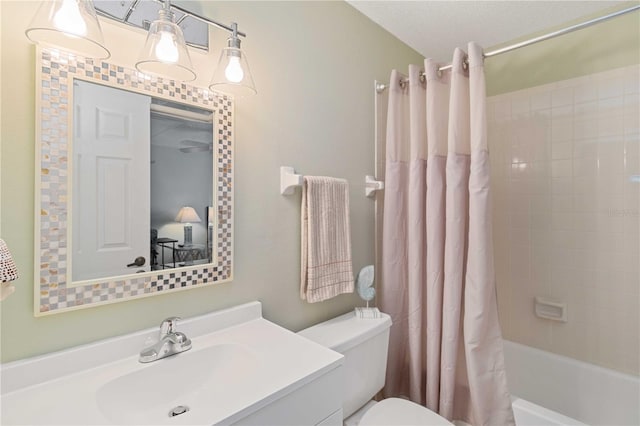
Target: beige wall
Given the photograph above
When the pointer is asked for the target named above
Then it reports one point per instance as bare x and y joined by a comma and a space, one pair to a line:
608, 45
314, 66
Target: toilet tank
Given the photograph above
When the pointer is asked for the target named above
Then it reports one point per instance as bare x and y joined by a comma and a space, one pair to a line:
364, 344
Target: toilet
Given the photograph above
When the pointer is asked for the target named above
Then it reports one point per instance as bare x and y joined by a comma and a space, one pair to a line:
364, 344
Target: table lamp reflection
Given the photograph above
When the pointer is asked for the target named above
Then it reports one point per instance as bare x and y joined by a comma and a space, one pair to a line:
188, 215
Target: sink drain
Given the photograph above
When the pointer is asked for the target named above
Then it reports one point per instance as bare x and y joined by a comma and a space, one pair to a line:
180, 409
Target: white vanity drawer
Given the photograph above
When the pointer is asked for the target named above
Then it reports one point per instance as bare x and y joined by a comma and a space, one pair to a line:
312, 404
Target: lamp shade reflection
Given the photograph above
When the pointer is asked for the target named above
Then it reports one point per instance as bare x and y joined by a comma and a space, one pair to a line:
187, 215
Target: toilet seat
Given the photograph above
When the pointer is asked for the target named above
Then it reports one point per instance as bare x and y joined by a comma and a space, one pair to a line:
396, 411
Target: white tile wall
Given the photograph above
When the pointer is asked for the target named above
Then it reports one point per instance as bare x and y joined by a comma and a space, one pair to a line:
566, 198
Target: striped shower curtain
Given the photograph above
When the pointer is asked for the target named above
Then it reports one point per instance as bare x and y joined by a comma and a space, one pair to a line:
438, 280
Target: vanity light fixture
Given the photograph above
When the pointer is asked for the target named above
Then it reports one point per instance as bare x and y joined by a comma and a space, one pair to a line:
69, 23
187, 215
232, 75
8, 271
73, 25
165, 51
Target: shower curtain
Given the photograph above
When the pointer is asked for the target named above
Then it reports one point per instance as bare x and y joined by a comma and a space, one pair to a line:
445, 348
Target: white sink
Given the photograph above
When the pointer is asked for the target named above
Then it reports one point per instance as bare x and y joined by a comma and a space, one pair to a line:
242, 369
147, 395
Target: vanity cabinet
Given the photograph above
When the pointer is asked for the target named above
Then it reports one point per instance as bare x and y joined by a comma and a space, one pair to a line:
316, 403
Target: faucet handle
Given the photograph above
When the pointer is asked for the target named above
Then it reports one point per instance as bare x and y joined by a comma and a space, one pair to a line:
168, 326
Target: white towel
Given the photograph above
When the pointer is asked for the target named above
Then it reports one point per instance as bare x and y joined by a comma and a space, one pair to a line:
327, 270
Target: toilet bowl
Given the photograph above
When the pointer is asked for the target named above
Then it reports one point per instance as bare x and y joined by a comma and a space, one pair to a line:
396, 411
364, 344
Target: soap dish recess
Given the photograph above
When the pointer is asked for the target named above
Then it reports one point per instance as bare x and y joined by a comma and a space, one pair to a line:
551, 309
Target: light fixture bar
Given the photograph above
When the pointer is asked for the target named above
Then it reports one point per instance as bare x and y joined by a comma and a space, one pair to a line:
132, 7
182, 18
126, 22
205, 20
187, 13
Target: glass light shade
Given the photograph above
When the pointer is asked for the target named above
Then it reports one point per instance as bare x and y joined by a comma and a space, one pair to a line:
232, 75
187, 215
165, 52
70, 25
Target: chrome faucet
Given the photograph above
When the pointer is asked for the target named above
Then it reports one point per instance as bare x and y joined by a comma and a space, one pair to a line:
171, 342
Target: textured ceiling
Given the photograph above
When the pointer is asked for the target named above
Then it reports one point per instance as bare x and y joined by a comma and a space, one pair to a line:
435, 28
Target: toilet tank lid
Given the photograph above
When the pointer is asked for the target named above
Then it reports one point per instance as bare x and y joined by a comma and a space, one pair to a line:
344, 332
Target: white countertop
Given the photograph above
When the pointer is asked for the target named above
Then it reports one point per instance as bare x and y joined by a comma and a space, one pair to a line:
273, 363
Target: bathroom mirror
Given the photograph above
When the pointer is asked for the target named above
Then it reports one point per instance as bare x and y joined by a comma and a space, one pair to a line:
134, 184
138, 164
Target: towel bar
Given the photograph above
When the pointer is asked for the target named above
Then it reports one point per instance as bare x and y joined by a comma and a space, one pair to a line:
289, 180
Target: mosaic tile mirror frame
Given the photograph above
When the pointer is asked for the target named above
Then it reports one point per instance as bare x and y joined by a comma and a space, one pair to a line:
54, 292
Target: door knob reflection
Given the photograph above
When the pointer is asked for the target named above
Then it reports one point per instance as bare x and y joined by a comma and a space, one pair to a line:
139, 261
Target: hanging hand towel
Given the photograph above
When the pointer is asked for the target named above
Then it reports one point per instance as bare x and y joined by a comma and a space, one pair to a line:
326, 239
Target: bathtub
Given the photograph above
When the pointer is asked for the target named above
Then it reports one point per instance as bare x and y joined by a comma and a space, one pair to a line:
530, 414
550, 389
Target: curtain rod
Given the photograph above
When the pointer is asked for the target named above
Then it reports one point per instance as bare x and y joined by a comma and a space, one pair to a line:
550, 35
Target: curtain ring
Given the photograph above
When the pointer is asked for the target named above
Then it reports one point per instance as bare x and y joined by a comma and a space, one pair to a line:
465, 63
403, 83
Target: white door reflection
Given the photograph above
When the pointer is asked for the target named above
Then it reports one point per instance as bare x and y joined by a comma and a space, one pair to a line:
111, 181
